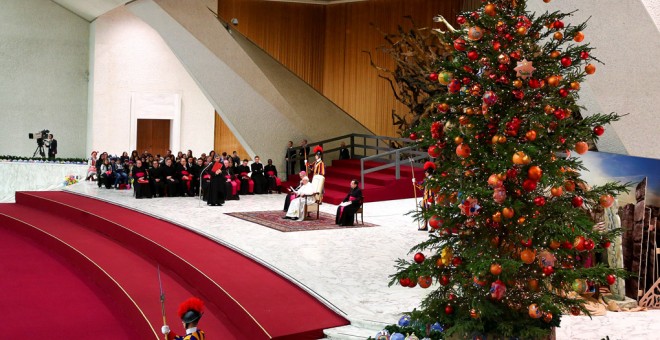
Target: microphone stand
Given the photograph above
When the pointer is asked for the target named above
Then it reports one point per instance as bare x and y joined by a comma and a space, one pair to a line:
201, 177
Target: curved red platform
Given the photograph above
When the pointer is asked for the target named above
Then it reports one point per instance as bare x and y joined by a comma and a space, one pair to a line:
120, 249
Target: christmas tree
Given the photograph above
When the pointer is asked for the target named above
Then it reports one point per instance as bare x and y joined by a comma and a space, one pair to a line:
510, 210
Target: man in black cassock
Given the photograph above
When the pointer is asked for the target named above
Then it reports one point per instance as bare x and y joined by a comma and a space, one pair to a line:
350, 204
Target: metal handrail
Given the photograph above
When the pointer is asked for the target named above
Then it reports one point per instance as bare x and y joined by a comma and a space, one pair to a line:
397, 162
371, 148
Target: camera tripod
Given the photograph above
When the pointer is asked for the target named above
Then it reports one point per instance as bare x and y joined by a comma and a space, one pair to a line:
40, 151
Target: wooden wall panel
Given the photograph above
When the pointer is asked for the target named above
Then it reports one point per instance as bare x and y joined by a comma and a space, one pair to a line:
225, 141
292, 33
324, 46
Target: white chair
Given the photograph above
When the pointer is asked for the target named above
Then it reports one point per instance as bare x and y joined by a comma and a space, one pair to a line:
318, 181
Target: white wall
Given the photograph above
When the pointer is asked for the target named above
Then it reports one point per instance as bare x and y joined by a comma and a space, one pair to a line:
627, 40
43, 76
129, 59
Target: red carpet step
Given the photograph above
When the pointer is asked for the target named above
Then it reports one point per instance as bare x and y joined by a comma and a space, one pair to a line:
379, 186
244, 299
41, 289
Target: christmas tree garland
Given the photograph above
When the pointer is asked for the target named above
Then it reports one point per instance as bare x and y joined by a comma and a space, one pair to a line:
510, 210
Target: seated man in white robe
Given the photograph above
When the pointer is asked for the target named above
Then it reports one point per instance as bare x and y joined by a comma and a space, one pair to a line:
305, 195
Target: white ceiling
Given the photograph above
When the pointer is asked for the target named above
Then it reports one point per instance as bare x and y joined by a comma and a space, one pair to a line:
90, 9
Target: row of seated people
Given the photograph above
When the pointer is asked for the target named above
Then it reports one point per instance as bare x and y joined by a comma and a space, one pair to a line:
183, 178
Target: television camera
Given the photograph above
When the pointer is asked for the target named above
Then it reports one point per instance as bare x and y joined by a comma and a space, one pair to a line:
41, 137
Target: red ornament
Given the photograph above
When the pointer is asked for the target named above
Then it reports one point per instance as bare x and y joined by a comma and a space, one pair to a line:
433, 77
405, 282
449, 310
558, 24
425, 281
496, 269
412, 284
607, 244
473, 55
459, 44
577, 201
434, 151
548, 270
563, 92
508, 37
444, 280
566, 61
496, 45
454, 86
534, 83
456, 261
474, 15
567, 245
534, 172
579, 243
539, 201
529, 185
581, 147
611, 279
413, 136
515, 55
419, 257
599, 130
589, 244
511, 173
466, 80
526, 242
460, 19
435, 222
559, 113
497, 290
502, 67
584, 55
518, 94
463, 150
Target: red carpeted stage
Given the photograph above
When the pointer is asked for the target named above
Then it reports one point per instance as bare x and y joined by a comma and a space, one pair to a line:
378, 186
82, 254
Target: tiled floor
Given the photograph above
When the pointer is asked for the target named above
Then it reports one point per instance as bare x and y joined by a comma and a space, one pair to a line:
348, 268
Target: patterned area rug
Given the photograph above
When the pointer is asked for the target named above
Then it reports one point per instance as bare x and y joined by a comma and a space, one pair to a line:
273, 219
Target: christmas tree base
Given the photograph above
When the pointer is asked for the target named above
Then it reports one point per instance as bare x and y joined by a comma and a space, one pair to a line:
478, 336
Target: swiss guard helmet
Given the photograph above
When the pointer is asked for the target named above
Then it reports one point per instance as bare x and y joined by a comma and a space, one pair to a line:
429, 168
191, 310
318, 150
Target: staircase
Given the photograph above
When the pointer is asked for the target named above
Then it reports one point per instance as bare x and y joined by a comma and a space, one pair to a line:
379, 186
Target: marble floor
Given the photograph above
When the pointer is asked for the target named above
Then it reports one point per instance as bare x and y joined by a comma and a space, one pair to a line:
348, 269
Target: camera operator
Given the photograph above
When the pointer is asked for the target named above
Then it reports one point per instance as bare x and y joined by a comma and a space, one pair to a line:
51, 144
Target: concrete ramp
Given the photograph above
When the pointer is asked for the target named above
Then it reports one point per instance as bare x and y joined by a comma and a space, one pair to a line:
263, 110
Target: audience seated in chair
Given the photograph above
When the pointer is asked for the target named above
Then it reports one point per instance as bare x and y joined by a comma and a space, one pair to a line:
274, 182
349, 206
318, 183
305, 195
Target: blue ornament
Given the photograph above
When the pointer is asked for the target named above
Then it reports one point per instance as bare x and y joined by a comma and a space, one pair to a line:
437, 327
404, 321
397, 336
